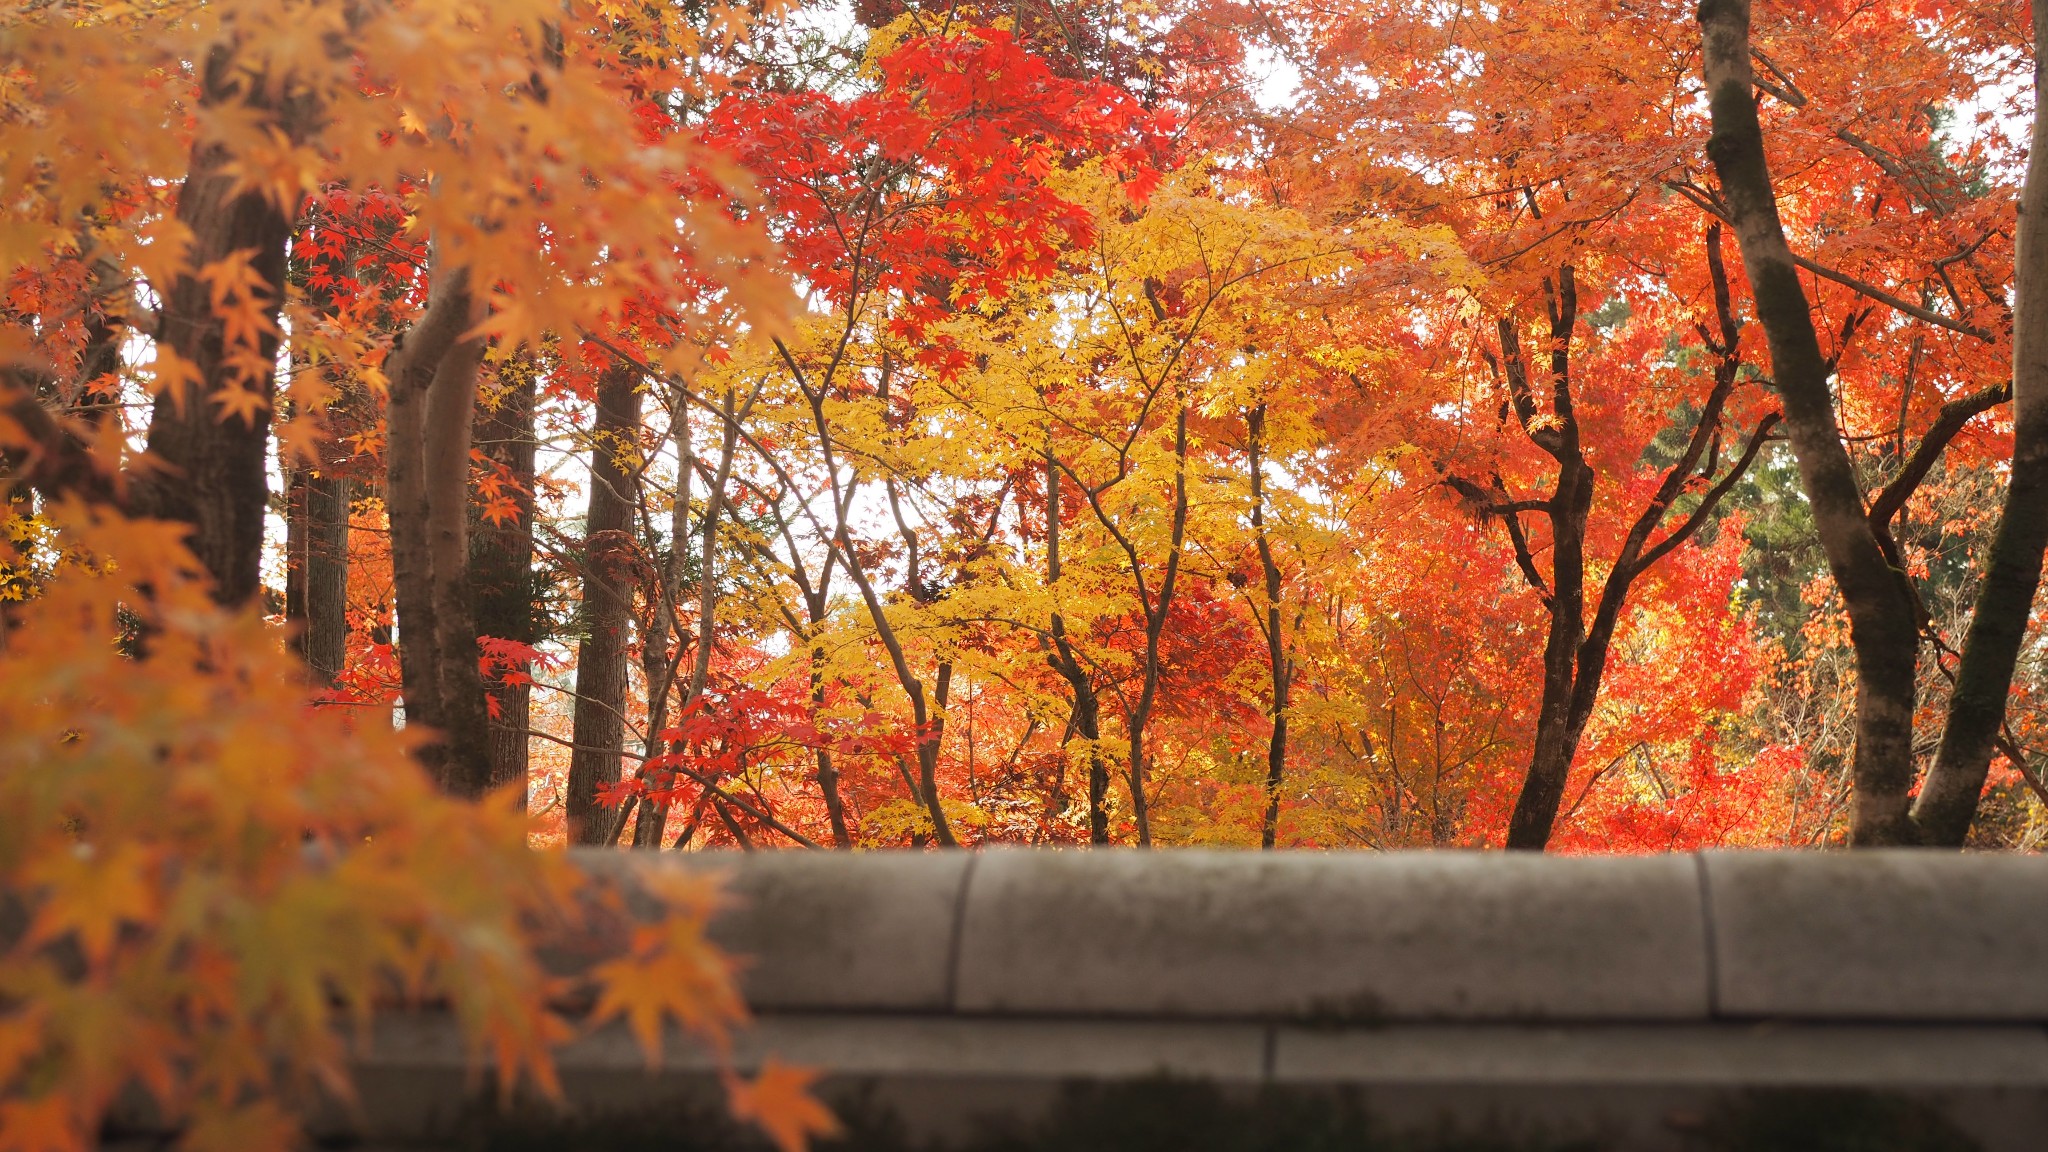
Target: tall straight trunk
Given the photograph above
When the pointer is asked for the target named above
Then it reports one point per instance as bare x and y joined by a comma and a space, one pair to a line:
405, 501
1948, 800
1278, 665
1883, 626
215, 477
1066, 662
599, 721
501, 560
323, 573
445, 443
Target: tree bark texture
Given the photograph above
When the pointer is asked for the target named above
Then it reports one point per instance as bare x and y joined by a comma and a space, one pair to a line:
602, 619
501, 558
316, 569
1884, 628
1570, 501
432, 377
1948, 799
213, 460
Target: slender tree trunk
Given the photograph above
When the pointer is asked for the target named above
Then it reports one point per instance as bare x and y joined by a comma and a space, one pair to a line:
1156, 615
662, 592
1277, 663
1948, 800
1570, 502
828, 772
599, 722
215, 479
926, 713
295, 529
501, 559
1065, 661
1883, 626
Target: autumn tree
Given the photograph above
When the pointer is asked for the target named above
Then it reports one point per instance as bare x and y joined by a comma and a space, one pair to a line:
1885, 611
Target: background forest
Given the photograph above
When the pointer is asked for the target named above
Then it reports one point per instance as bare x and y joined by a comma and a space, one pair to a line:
1197, 423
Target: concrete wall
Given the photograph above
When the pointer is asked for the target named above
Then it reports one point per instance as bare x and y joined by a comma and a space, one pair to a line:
1625, 996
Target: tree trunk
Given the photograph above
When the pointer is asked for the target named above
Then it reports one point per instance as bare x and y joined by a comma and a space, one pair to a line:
1883, 626
828, 772
1948, 800
1277, 663
662, 592
1570, 502
432, 376
1066, 662
1156, 615
450, 417
214, 451
599, 722
323, 573
501, 560
405, 502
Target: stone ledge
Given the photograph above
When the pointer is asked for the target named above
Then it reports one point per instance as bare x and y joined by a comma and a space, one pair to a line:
1879, 935
1333, 937
1357, 938
1621, 996
944, 1079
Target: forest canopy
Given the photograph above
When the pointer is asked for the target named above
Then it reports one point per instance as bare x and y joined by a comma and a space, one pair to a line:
1106, 424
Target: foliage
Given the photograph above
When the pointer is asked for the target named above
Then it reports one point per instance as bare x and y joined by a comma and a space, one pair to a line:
205, 903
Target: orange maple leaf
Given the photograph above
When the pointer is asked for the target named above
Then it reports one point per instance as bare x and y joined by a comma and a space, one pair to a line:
244, 402
779, 1100
45, 1124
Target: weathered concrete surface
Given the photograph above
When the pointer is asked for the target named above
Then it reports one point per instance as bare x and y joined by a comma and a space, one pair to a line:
814, 931
1338, 938
1617, 997
1888, 935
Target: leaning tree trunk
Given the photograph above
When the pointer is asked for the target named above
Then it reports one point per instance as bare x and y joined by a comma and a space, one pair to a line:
432, 400
599, 721
1948, 800
1883, 627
